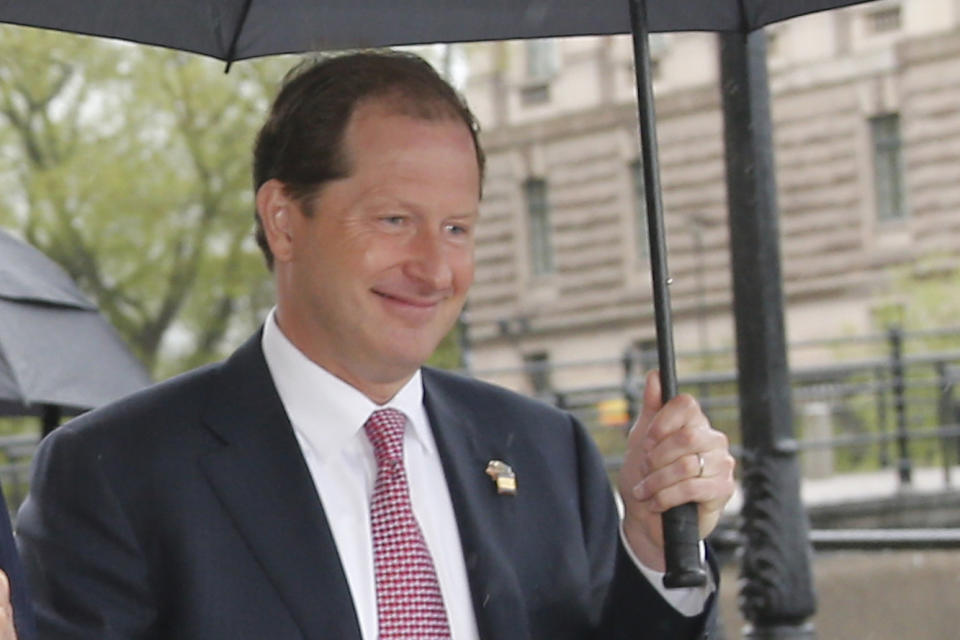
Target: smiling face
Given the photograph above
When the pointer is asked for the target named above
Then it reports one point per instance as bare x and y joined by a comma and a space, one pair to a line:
369, 284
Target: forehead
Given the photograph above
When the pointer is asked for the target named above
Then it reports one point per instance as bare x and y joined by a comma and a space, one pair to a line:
380, 125
400, 100
426, 164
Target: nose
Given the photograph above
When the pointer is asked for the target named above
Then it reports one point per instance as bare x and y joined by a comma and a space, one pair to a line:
429, 262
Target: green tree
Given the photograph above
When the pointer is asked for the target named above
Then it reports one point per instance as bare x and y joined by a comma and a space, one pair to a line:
130, 166
922, 295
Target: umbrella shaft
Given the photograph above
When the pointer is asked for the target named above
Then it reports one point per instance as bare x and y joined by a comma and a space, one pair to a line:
651, 179
680, 524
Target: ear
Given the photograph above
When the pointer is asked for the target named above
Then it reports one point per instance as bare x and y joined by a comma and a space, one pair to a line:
274, 207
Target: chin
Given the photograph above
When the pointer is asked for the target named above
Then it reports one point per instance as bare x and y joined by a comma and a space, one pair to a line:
412, 343
406, 359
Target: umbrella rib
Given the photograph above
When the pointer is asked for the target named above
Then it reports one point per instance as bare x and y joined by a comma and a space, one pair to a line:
232, 51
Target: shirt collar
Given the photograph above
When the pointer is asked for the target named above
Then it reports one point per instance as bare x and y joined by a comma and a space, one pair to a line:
324, 409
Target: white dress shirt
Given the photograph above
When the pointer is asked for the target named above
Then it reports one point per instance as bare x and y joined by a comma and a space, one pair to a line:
328, 415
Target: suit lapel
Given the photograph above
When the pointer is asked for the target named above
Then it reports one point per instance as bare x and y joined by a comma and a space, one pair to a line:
263, 482
485, 519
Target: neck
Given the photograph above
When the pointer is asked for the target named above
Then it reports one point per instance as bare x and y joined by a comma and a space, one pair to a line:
378, 385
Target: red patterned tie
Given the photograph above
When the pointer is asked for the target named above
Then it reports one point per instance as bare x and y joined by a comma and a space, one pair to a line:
409, 602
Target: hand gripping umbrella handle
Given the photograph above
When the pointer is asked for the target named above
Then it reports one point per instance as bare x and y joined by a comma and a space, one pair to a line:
680, 526
681, 548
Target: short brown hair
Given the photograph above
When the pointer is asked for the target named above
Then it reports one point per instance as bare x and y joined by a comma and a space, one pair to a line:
301, 143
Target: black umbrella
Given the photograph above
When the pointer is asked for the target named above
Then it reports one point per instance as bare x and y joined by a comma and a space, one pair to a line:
56, 350
240, 29
249, 28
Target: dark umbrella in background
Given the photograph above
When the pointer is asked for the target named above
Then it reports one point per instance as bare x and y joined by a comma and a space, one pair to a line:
58, 355
778, 592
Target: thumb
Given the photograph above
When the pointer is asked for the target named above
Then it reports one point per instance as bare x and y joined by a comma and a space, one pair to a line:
652, 402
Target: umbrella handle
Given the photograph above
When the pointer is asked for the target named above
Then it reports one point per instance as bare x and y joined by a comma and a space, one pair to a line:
681, 544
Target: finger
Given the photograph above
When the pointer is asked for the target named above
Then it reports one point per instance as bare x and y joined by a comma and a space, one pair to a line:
714, 463
6, 610
691, 438
681, 410
652, 395
710, 494
652, 403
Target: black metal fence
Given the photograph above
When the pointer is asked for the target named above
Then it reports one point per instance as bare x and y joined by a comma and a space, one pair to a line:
871, 403
888, 400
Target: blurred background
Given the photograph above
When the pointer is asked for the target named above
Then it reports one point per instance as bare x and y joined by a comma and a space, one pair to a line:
129, 166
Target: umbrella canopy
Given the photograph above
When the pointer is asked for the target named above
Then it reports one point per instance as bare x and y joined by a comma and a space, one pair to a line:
241, 29
55, 347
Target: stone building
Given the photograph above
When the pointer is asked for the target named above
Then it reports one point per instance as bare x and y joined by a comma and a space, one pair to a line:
866, 110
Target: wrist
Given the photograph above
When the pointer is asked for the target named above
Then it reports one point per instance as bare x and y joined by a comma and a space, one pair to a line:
643, 548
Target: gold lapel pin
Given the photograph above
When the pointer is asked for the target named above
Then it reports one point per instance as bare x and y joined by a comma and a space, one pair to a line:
503, 476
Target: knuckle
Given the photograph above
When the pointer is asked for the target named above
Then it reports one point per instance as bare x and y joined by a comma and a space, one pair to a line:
686, 437
722, 439
658, 503
729, 464
686, 402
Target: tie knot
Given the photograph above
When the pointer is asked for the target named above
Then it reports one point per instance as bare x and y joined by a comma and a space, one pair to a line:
385, 429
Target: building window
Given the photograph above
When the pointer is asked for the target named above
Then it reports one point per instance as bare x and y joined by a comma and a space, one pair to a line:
648, 355
541, 60
537, 366
774, 42
535, 94
538, 214
888, 167
656, 69
641, 243
884, 20
659, 48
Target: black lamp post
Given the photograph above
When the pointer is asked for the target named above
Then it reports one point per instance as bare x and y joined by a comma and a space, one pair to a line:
777, 596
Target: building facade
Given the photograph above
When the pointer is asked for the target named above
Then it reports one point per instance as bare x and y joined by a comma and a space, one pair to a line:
866, 113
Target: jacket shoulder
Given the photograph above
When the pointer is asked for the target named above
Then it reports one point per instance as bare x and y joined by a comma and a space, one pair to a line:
485, 395
172, 401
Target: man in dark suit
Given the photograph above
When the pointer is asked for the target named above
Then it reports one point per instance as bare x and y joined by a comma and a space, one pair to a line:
246, 499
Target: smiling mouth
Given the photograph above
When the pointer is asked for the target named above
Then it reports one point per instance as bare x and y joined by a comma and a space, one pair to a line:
414, 304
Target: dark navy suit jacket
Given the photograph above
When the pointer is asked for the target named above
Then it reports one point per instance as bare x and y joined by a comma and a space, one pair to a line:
187, 511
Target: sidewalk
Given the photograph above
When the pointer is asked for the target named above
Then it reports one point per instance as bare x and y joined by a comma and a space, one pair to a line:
906, 595
854, 487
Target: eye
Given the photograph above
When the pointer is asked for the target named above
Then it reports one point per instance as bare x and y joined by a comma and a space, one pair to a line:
394, 220
457, 229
